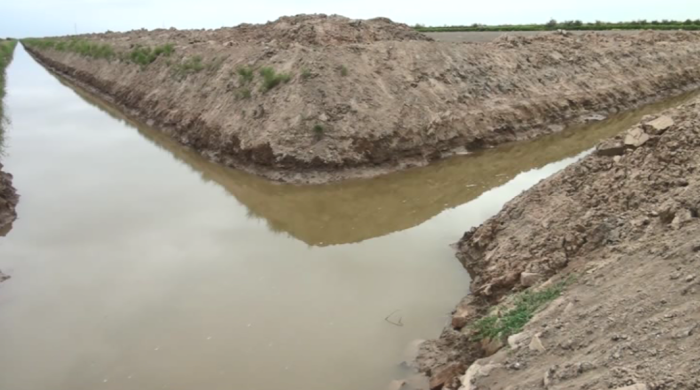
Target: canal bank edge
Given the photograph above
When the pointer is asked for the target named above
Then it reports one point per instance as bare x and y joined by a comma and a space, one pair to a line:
380, 103
8, 201
612, 242
8, 194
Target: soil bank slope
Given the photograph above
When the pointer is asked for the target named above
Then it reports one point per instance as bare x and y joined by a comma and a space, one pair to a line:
624, 220
360, 97
8, 195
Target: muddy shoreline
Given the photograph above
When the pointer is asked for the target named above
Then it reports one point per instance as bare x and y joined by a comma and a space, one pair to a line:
609, 225
382, 131
8, 194
8, 202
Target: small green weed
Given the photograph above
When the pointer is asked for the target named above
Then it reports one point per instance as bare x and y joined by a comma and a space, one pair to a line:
144, 55
215, 64
343, 70
525, 305
165, 50
272, 79
245, 75
318, 131
305, 74
243, 93
189, 66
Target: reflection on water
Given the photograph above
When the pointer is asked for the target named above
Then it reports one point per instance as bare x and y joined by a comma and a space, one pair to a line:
356, 210
131, 272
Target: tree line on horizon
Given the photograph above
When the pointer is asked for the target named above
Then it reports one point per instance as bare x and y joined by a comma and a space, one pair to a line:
553, 24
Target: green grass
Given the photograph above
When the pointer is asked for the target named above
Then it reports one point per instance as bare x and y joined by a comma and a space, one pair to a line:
343, 70
141, 55
165, 50
572, 25
145, 55
243, 93
189, 66
245, 75
75, 45
271, 79
525, 305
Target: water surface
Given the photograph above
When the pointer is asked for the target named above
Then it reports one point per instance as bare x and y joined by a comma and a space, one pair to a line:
136, 264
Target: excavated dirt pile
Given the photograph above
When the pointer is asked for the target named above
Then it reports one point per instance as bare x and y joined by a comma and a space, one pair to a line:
624, 222
318, 98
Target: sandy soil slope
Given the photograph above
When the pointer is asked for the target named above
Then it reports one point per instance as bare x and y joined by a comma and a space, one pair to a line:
362, 97
623, 221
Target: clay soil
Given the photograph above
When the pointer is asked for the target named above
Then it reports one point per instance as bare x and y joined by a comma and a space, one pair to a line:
622, 227
369, 96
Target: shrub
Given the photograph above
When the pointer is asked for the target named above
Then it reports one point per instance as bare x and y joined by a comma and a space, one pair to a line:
272, 79
343, 70
165, 50
189, 66
245, 75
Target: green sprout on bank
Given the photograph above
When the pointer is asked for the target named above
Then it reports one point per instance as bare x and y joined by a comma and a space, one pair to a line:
344, 70
318, 131
271, 79
145, 55
243, 93
189, 66
305, 74
245, 75
525, 305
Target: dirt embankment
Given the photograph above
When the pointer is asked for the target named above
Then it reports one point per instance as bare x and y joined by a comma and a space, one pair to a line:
341, 97
624, 221
8, 202
8, 195
8, 199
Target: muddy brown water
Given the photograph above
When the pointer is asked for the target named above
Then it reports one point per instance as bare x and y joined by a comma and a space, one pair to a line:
137, 264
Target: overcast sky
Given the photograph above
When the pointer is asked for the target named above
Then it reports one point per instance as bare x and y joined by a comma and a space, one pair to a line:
23, 18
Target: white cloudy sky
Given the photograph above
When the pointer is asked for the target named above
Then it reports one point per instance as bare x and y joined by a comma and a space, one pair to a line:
21, 18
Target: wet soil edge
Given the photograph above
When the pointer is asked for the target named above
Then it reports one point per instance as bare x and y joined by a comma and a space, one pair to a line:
8, 204
8, 200
261, 161
502, 259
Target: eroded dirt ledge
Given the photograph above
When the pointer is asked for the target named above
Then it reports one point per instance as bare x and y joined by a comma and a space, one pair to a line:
624, 221
365, 97
8, 201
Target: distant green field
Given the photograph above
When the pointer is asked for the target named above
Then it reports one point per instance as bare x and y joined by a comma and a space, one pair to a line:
572, 25
7, 47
